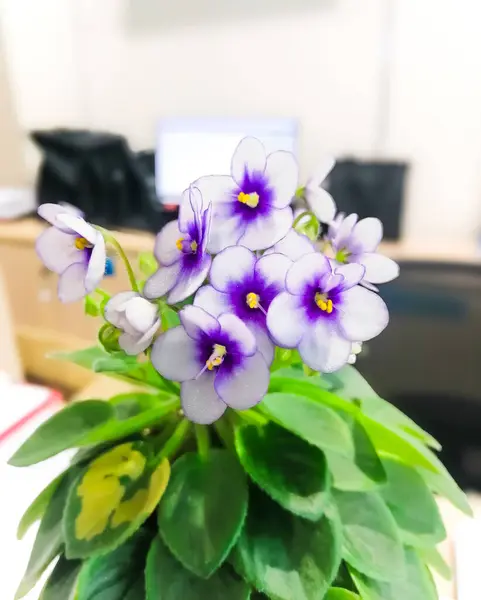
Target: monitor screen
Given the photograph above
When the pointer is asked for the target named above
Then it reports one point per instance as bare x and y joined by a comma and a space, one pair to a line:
190, 148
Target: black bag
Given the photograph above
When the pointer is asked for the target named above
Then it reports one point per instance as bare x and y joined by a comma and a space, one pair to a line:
370, 189
99, 174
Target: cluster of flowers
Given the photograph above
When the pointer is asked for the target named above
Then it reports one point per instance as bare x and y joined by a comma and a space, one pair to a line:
268, 284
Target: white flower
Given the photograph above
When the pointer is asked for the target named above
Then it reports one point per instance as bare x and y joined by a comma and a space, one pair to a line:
320, 202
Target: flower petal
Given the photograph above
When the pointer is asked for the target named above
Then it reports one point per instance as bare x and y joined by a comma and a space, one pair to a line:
250, 156
323, 349
141, 314
197, 322
225, 231
244, 386
237, 331
264, 343
165, 248
79, 225
322, 204
133, 345
96, 266
286, 321
190, 281
56, 249
162, 281
200, 401
379, 268
282, 173
212, 301
342, 230
366, 235
115, 307
174, 355
190, 208
352, 274
231, 266
273, 269
71, 283
206, 227
50, 212
322, 171
308, 269
364, 314
293, 245
215, 188
267, 230
149, 334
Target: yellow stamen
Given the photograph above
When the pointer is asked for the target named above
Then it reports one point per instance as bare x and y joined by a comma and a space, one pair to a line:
178, 244
324, 303
81, 243
251, 200
193, 246
217, 357
252, 300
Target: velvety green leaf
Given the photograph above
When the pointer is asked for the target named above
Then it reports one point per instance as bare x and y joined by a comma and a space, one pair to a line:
412, 505
287, 557
62, 583
340, 594
443, 484
167, 579
37, 509
49, 540
118, 575
310, 420
433, 558
351, 385
361, 472
62, 431
170, 318
84, 358
371, 540
291, 471
147, 263
208, 497
416, 584
112, 497
291, 376
91, 306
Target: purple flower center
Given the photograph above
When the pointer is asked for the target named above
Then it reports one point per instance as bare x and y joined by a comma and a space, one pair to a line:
191, 247
321, 304
253, 197
217, 350
251, 298
85, 247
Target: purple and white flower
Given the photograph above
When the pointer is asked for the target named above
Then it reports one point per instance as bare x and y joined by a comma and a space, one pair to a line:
355, 241
320, 202
245, 285
73, 249
293, 245
137, 318
323, 311
216, 361
251, 206
180, 250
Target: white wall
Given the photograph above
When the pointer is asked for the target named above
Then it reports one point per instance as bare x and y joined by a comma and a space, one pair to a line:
122, 64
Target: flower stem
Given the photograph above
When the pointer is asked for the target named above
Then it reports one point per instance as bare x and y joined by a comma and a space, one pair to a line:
253, 417
109, 238
203, 440
224, 431
176, 440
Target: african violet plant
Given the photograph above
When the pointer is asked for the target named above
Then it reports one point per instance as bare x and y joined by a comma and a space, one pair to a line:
256, 462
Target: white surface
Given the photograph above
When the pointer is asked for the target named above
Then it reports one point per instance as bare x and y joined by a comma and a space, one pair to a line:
190, 148
16, 202
19, 487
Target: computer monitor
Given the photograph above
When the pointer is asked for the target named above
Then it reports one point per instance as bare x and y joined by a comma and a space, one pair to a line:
188, 148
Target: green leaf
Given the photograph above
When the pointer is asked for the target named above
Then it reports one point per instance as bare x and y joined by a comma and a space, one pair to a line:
292, 472
111, 499
443, 484
167, 579
416, 584
63, 430
361, 472
287, 557
412, 505
62, 583
371, 540
37, 509
433, 558
49, 540
203, 510
84, 358
147, 263
285, 377
315, 423
340, 594
170, 318
118, 575
91, 306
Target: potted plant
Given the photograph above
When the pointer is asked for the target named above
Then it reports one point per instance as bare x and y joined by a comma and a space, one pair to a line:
256, 462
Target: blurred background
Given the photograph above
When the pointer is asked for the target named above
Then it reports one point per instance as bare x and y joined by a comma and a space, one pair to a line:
116, 105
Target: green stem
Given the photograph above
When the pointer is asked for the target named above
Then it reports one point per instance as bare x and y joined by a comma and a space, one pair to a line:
109, 238
203, 440
176, 440
253, 417
224, 431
